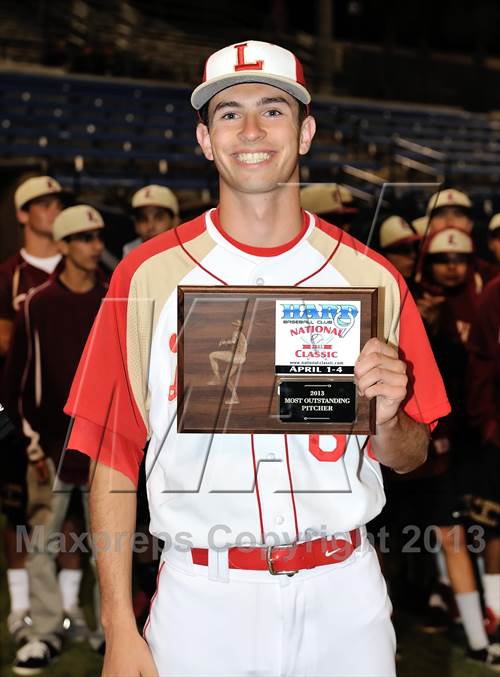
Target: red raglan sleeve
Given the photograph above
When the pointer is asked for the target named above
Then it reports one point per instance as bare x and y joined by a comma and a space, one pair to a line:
426, 401
107, 422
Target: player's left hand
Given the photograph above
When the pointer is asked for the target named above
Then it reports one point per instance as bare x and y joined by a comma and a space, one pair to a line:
380, 373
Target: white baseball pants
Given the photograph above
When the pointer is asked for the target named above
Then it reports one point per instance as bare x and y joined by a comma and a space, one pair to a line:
329, 621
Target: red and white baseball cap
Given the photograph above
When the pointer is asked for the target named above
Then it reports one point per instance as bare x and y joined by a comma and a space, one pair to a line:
251, 61
324, 198
76, 219
449, 197
395, 231
38, 186
451, 241
156, 196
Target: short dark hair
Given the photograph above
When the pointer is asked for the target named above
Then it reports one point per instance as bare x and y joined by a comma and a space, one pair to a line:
203, 112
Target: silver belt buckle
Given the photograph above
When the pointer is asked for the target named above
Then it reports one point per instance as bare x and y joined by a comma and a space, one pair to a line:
269, 560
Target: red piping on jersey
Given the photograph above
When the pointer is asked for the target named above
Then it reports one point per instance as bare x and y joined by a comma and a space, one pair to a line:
153, 599
296, 284
334, 251
194, 260
262, 251
257, 492
291, 487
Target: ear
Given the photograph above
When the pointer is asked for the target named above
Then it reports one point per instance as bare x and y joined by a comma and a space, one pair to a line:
22, 216
307, 132
203, 136
63, 247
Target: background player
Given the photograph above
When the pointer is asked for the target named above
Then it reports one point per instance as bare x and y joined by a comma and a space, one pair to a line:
483, 388
331, 201
448, 275
49, 336
399, 243
37, 201
155, 209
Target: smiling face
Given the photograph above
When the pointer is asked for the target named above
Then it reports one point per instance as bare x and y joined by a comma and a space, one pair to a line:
255, 138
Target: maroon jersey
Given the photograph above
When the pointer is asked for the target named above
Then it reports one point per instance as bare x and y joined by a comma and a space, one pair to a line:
49, 337
17, 277
448, 338
483, 393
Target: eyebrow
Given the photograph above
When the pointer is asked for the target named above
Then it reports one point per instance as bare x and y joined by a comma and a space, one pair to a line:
265, 101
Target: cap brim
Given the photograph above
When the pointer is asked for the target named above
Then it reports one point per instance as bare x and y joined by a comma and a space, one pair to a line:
204, 92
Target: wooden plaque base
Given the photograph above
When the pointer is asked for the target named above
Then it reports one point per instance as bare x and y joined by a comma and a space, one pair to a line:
229, 384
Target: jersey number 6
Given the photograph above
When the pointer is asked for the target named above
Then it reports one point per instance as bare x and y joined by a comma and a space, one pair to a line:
338, 445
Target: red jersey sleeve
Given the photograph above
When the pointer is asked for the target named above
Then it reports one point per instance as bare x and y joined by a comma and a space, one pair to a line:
426, 401
108, 425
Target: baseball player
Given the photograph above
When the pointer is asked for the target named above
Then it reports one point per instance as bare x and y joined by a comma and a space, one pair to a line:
49, 336
399, 244
266, 568
483, 400
231, 359
330, 200
155, 209
450, 208
38, 201
448, 296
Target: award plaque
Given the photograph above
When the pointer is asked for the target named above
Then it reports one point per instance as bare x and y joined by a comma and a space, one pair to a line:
273, 359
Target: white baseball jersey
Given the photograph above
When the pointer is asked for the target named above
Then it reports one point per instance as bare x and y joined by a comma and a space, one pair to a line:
216, 490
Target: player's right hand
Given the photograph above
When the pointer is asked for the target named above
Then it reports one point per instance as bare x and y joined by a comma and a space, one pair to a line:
128, 655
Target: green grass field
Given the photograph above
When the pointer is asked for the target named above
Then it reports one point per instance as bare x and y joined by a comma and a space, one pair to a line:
422, 656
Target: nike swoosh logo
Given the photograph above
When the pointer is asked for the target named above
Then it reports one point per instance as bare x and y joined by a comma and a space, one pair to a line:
329, 553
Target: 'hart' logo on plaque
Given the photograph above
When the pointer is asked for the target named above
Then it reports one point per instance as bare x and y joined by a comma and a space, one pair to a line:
311, 337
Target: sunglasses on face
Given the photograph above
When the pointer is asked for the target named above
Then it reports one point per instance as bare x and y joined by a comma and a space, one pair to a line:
87, 236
